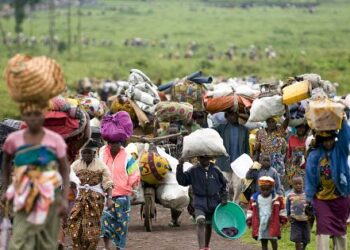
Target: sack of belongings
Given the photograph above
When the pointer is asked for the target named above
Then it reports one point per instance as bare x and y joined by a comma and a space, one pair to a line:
173, 111
154, 167
203, 142
117, 127
265, 108
219, 104
169, 193
142, 91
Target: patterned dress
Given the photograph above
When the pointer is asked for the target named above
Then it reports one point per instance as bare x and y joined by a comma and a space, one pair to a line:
84, 222
296, 157
275, 145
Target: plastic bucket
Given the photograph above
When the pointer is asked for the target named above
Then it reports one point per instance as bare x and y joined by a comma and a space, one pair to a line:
230, 215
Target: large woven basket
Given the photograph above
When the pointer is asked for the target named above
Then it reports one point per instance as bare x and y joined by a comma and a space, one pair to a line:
30, 79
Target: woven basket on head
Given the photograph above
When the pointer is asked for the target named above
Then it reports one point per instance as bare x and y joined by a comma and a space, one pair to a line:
30, 79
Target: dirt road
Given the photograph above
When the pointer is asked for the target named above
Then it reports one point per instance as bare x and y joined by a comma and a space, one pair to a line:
166, 238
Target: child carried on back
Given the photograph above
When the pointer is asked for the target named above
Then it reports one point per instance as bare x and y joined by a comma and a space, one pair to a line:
209, 190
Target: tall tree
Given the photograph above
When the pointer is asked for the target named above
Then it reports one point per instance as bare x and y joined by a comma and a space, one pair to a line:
69, 28
79, 13
19, 6
52, 25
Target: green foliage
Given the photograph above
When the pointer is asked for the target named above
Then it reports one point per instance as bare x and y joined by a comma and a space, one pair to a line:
305, 42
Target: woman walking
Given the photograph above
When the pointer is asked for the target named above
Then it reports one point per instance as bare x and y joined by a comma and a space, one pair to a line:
115, 129
40, 168
271, 141
95, 180
327, 186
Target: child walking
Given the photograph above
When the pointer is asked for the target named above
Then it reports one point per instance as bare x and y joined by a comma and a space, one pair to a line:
209, 190
266, 213
296, 211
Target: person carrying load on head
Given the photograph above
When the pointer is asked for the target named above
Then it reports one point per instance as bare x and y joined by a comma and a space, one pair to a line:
327, 186
125, 172
95, 180
209, 190
271, 140
40, 172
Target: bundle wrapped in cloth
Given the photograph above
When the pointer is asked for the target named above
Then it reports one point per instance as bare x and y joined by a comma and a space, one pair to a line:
142, 90
203, 142
93, 106
116, 127
190, 89
122, 103
154, 167
236, 102
173, 111
30, 79
325, 115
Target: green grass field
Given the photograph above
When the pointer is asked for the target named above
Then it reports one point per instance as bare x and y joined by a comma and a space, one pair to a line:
284, 243
304, 42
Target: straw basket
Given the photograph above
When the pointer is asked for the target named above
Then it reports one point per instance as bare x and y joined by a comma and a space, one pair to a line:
33, 79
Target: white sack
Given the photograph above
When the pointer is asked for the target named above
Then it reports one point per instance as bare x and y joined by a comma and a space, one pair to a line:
203, 142
265, 108
170, 194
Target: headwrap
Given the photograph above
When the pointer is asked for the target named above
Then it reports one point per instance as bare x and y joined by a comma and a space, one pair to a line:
266, 181
93, 106
117, 127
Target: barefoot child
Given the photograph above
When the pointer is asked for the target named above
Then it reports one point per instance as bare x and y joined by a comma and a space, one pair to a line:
266, 213
296, 205
209, 190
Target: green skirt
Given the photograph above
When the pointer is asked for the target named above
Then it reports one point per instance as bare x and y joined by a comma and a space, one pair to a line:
27, 236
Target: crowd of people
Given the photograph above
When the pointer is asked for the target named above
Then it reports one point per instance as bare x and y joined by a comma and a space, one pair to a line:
85, 189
